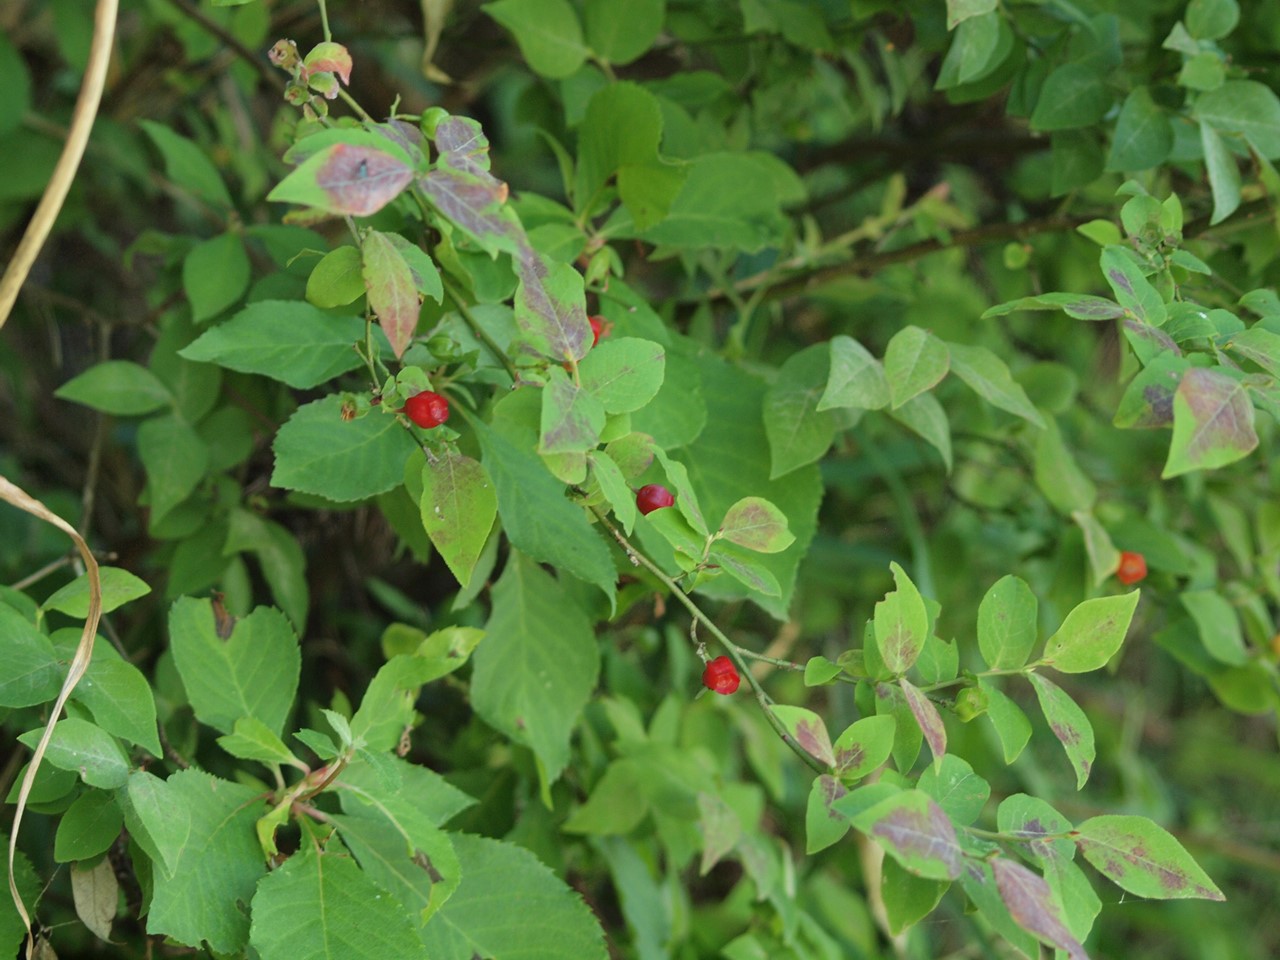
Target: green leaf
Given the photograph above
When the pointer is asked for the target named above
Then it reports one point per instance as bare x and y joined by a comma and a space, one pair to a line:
175, 459
755, 523
280, 557
1244, 108
537, 518
118, 588
901, 624
1034, 907
215, 274
538, 665
1143, 137
422, 269
118, 387
572, 418
120, 699
975, 51
1080, 306
1091, 634
622, 127
856, 378
1058, 476
251, 739
914, 361
614, 487
959, 11
747, 568
550, 307
1212, 423
1204, 71
1073, 95
1068, 723
469, 926
864, 746
393, 296
338, 279
808, 730
347, 179
648, 190
1007, 624
925, 416
548, 32
987, 375
621, 30
1143, 858
319, 452
1258, 344
88, 827
250, 672
916, 832
187, 165
623, 373
1103, 556
458, 507
908, 899
421, 871
1218, 624
1008, 719
415, 797
1212, 19
321, 905
1131, 288
1224, 174
86, 749
960, 792
798, 432
823, 825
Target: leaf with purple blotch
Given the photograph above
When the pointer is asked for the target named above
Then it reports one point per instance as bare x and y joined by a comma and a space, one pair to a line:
1078, 305
477, 207
1139, 856
901, 624
864, 746
1033, 906
551, 307
1147, 403
808, 730
1068, 723
393, 295
463, 145
1131, 287
1148, 342
571, 417
927, 716
1212, 423
916, 832
824, 825
347, 180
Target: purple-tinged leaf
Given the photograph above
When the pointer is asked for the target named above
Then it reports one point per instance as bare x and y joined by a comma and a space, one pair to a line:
551, 308
755, 523
1068, 723
1131, 288
809, 731
406, 137
347, 180
926, 714
960, 792
476, 206
980, 886
329, 57
824, 825
1148, 342
901, 624
1037, 824
1079, 306
392, 293
1033, 906
1143, 858
1259, 345
463, 145
571, 417
1147, 403
864, 746
916, 832
1212, 423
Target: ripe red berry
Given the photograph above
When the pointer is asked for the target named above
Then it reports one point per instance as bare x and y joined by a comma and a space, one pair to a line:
427, 409
653, 496
1133, 567
597, 328
721, 676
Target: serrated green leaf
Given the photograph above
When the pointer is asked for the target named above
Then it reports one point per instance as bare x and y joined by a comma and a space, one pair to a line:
421, 871
250, 672
1091, 634
251, 739
536, 670
319, 452
175, 459
118, 387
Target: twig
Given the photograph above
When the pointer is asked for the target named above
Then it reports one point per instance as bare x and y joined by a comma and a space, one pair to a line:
265, 70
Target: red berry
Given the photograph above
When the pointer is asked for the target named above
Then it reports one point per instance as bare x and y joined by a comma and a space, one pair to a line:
597, 328
653, 496
1133, 567
427, 409
721, 676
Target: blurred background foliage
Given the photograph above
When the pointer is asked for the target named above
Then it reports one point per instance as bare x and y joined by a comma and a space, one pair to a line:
918, 188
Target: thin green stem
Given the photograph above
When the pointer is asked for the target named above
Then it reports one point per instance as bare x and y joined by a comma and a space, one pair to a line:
1029, 668
737, 653
324, 20
480, 331
351, 102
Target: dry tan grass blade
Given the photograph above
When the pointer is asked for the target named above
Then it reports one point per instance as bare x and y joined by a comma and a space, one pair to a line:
20, 499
